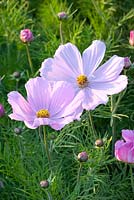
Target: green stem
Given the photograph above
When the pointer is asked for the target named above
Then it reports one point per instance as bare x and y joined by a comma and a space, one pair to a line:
29, 59
114, 106
132, 178
48, 195
42, 142
91, 124
78, 175
61, 36
112, 123
47, 149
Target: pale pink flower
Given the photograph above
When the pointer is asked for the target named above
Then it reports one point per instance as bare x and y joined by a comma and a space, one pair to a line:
46, 104
90, 81
131, 38
26, 35
124, 149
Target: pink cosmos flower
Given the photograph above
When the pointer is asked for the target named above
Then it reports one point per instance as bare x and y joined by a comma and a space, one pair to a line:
131, 38
46, 104
26, 35
124, 150
90, 81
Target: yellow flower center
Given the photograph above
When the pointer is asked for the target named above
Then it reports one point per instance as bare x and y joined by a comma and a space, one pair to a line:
43, 113
82, 81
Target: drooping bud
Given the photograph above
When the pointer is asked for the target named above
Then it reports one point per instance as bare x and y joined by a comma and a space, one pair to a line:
83, 156
44, 184
2, 111
99, 143
26, 35
62, 15
131, 38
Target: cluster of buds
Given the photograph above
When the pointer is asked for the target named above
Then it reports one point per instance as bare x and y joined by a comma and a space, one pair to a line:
26, 35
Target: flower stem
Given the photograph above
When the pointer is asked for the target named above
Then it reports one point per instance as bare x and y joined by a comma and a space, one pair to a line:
114, 106
61, 35
47, 149
91, 123
48, 195
78, 179
29, 58
132, 178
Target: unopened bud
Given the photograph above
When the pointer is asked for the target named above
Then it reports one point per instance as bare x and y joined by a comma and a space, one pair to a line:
18, 131
131, 38
26, 35
52, 137
127, 63
2, 111
83, 156
16, 74
62, 15
44, 184
99, 143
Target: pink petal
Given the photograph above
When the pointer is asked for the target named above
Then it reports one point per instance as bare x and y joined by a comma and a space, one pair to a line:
38, 93
62, 96
21, 109
110, 70
66, 65
93, 56
74, 108
111, 87
125, 151
93, 98
128, 135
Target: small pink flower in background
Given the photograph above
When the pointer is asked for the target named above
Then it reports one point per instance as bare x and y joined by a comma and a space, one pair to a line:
131, 38
90, 81
46, 104
26, 35
124, 149
127, 63
2, 111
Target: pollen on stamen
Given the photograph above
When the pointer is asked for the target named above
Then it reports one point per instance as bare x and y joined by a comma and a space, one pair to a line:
82, 81
43, 113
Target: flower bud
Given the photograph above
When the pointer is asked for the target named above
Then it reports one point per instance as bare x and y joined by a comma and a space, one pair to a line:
62, 15
26, 35
82, 157
131, 38
52, 137
2, 111
16, 74
127, 63
18, 131
44, 184
99, 143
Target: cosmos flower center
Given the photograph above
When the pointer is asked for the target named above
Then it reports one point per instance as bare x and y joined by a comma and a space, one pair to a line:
43, 113
82, 81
